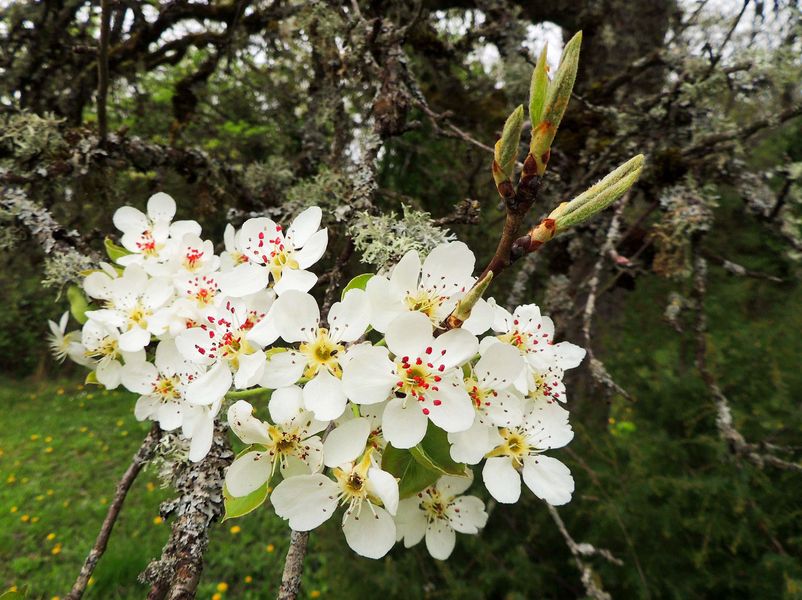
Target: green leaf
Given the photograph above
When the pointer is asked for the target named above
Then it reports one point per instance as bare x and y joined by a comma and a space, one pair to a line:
91, 379
14, 594
434, 452
538, 89
413, 476
113, 251
357, 283
237, 507
78, 303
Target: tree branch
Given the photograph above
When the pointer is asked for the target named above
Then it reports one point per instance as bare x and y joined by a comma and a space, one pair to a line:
140, 458
293, 566
103, 71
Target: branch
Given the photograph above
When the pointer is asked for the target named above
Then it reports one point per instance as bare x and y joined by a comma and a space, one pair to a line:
103, 71
592, 589
140, 458
176, 574
736, 443
293, 566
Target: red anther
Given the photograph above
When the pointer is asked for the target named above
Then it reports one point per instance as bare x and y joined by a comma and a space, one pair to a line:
429, 350
418, 361
441, 368
425, 411
437, 378
400, 384
437, 402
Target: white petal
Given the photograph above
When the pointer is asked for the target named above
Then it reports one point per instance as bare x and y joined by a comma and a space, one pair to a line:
568, 355
211, 386
245, 426
481, 318
139, 377
130, 220
313, 249
243, 280
170, 415
440, 539
370, 533
349, 319
264, 332
409, 334
146, 406
499, 367
403, 427
324, 396
467, 514
386, 302
157, 292
98, 285
248, 473
285, 404
384, 486
549, 479
451, 485
454, 348
501, 479
250, 371
295, 279
304, 225
202, 437
410, 522
283, 369
296, 316
368, 375
505, 409
306, 500
450, 408
161, 207
470, 446
134, 339
406, 274
448, 269
346, 443
108, 373
195, 345
547, 425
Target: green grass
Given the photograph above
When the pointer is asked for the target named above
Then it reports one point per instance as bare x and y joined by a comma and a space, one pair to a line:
63, 449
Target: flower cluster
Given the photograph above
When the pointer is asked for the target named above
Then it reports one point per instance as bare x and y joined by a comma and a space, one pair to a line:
376, 407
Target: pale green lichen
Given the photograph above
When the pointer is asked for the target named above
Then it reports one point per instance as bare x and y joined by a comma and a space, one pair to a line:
27, 135
384, 239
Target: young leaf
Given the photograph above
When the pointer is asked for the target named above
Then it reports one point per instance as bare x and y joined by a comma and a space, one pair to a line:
237, 507
113, 251
359, 282
413, 476
433, 452
557, 98
538, 88
506, 152
78, 303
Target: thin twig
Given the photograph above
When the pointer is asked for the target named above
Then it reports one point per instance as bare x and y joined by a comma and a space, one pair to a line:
103, 71
293, 566
140, 458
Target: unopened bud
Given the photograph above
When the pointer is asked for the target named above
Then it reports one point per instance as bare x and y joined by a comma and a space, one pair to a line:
506, 151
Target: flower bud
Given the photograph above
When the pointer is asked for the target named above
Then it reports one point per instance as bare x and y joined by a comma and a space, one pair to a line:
506, 152
466, 304
538, 88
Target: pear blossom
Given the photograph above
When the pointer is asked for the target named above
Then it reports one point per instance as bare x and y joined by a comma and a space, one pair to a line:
433, 288
147, 236
520, 448
533, 335
296, 317
63, 344
423, 382
291, 442
198, 427
370, 494
133, 299
496, 401
102, 344
271, 254
219, 342
437, 512
162, 385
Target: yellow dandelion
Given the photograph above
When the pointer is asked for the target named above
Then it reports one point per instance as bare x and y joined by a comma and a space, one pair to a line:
81, 405
235, 529
11, 478
119, 423
84, 429
158, 520
40, 497
270, 548
217, 597
123, 433
65, 504
248, 579
60, 391
51, 537
90, 396
49, 492
80, 386
151, 486
49, 449
25, 518
91, 581
314, 594
55, 549
2, 452
34, 519
56, 598
14, 509
222, 586
24, 480
48, 439
35, 437
104, 501
13, 588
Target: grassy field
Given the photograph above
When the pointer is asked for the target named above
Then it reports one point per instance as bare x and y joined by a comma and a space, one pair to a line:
63, 449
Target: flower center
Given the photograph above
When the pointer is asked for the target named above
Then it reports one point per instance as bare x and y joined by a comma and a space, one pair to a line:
192, 259
284, 441
424, 301
417, 378
322, 352
433, 504
167, 388
138, 315
147, 245
515, 446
